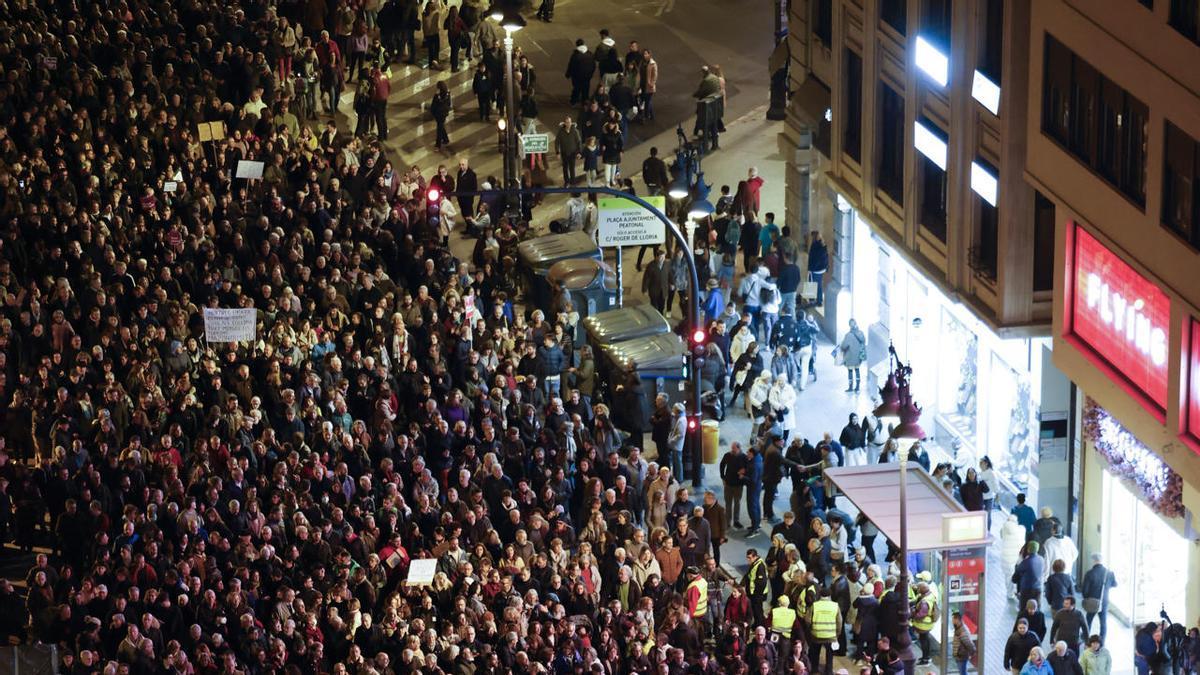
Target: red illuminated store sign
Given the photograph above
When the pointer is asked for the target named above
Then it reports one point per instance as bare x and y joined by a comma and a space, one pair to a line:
1121, 316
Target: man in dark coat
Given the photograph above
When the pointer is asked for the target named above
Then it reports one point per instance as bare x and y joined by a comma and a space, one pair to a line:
467, 182
580, 69
656, 280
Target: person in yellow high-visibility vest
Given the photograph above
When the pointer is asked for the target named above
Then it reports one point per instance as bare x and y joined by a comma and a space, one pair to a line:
697, 602
924, 615
825, 627
783, 624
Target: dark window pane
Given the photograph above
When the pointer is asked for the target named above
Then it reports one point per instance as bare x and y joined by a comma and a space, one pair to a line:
852, 132
1085, 85
1184, 17
891, 144
936, 22
895, 14
1056, 111
1133, 149
823, 27
993, 41
1043, 243
1179, 183
933, 198
987, 245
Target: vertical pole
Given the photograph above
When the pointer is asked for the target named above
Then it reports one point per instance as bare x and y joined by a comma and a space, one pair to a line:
944, 611
903, 642
510, 133
620, 276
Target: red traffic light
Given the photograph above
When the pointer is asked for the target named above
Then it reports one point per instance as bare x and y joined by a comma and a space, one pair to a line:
693, 423
434, 195
699, 336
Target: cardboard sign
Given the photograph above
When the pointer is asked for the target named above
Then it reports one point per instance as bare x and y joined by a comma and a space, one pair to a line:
210, 131
627, 223
249, 169
421, 572
230, 325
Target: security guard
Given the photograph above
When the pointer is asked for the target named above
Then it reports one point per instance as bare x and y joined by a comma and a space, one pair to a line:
924, 615
756, 585
825, 621
783, 623
697, 602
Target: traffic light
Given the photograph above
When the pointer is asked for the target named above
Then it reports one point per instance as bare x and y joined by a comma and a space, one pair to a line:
698, 346
693, 423
433, 209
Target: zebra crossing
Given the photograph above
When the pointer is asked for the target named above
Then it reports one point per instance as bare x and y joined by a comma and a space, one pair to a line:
411, 127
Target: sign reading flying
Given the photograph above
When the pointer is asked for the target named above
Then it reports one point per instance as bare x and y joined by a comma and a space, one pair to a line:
230, 325
626, 223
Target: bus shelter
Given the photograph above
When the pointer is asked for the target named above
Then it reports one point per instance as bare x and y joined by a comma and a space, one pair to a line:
944, 539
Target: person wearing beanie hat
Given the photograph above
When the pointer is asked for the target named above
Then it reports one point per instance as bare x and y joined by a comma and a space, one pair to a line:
1028, 574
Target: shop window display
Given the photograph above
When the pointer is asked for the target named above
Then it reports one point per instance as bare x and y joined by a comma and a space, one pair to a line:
957, 377
1010, 433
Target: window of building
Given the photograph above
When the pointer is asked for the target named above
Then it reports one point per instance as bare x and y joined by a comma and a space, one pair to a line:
895, 14
936, 23
1085, 85
1043, 243
852, 131
934, 190
1095, 119
990, 61
891, 144
987, 239
1181, 201
823, 24
1056, 90
1184, 16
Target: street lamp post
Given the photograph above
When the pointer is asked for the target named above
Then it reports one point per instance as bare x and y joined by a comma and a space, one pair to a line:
511, 21
905, 434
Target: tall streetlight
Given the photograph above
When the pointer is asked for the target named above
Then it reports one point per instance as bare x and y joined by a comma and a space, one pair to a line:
511, 21
905, 434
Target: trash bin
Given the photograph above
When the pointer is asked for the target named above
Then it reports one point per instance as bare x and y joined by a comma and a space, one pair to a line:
710, 431
649, 366
590, 285
536, 256
627, 323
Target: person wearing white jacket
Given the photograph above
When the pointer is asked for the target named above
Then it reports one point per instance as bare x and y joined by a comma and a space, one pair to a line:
1012, 538
783, 403
759, 399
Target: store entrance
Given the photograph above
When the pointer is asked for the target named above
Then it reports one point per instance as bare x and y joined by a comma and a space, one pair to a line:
1145, 554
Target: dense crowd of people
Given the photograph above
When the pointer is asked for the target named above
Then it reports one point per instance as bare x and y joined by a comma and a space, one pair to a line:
256, 507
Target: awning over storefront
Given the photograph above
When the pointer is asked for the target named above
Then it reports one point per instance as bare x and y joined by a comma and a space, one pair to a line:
935, 520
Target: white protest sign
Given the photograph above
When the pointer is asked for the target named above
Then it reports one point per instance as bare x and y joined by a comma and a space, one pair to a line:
627, 223
421, 571
230, 325
248, 169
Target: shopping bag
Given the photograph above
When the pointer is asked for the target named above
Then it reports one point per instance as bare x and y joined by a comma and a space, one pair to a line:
808, 290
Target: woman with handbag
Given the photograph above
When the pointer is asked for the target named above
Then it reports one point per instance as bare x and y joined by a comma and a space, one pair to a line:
851, 352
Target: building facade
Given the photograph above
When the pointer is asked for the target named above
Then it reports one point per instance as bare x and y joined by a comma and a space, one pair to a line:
1009, 189
1113, 126
905, 139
